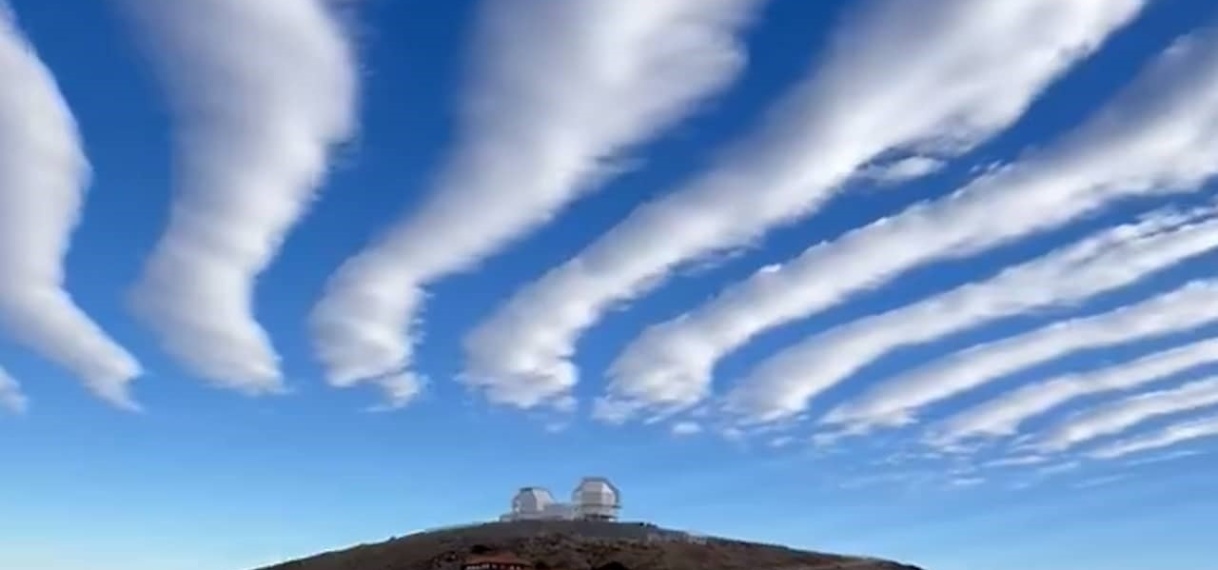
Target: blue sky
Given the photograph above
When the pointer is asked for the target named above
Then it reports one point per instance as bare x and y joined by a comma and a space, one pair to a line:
923, 280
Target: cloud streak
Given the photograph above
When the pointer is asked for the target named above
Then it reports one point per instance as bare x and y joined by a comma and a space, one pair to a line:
895, 401
1171, 435
927, 78
550, 109
43, 177
262, 92
1158, 137
1002, 416
1121, 415
12, 399
902, 170
1111, 259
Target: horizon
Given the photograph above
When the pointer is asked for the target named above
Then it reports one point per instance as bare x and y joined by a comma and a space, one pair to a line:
923, 280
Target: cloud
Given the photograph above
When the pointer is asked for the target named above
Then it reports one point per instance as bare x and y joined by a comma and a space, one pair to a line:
686, 428
262, 91
400, 390
933, 78
1155, 459
1166, 437
560, 90
1116, 417
1101, 481
781, 441
894, 402
1159, 136
902, 170
966, 481
1059, 468
1003, 415
43, 177
1018, 461
1110, 259
11, 398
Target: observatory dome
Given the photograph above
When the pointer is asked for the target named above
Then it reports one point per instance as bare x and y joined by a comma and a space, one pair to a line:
532, 501
596, 498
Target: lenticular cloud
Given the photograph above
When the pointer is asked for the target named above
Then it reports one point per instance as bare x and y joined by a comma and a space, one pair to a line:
897, 401
559, 90
1002, 416
43, 176
1111, 259
1190, 430
262, 90
1121, 415
930, 78
1158, 137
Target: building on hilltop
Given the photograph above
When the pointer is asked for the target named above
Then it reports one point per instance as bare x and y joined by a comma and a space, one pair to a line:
595, 498
536, 503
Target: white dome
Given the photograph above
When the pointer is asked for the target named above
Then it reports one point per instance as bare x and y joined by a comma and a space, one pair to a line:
597, 498
532, 500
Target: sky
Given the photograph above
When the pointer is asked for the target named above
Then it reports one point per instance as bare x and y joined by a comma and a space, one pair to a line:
927, 280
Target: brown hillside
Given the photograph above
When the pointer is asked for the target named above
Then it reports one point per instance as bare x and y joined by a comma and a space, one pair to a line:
580, 545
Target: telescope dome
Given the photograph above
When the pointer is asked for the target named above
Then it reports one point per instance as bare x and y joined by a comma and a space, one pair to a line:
597, 499
532, 501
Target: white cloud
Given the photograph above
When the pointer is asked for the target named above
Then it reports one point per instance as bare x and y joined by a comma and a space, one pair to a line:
895, 401
1116, 417
400, 390
1171, 456
781, 441
1159, 136
11, 397
1018, 461
828, 438
1166, 437
1101, 481
560, 91
966, 481
1108, 260
902, 170
1003, 415
928, 77
686, 428
611, 412
261, 92
43, 177
1059, 468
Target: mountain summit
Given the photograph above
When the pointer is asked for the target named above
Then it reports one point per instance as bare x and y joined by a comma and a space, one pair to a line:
576, 545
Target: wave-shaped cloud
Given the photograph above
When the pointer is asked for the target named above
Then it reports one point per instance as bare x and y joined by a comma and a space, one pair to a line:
927, 78
1158, 137
559, 91
1118, 416
1111, 259
262, 91
1002, 416
1176, 433
895, 401
43, 177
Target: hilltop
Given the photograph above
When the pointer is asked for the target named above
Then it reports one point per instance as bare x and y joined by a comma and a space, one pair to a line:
580, 545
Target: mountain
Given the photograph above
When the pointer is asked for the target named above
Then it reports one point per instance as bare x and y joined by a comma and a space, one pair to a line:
579, 545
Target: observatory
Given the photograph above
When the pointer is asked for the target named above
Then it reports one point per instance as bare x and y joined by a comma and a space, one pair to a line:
595, 498
536, 503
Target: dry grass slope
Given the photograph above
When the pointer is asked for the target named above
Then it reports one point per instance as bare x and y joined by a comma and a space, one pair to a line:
580, 546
